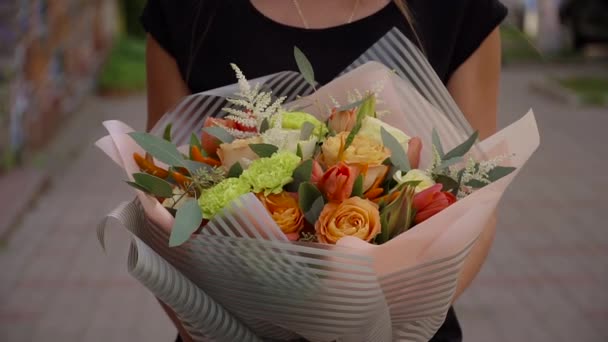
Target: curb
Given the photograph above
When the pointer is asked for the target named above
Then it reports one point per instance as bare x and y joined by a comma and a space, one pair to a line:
556, 92
23, 186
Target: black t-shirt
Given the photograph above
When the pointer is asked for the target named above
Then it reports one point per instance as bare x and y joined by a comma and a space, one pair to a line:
450, 31
235, 31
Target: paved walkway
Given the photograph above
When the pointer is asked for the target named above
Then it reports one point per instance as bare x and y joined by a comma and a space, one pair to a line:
545, 280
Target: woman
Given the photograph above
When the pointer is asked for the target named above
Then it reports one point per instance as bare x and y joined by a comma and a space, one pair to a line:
190, 44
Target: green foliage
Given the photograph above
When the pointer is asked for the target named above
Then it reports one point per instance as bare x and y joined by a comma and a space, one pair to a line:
590, 90
125, 69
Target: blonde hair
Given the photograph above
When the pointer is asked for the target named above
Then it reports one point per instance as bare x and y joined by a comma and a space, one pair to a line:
402, 5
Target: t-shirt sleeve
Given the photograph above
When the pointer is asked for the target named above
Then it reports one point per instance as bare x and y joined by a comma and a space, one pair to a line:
480, 18
155, 22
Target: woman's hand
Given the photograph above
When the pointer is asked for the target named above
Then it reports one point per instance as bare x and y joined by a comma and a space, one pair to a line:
475, 86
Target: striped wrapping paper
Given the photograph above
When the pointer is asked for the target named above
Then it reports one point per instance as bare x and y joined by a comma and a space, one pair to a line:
241, 280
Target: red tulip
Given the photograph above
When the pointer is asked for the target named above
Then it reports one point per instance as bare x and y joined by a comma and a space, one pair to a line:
414, 146
431, 201
338, 181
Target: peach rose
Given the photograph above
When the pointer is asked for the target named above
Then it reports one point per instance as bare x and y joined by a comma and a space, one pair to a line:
285, 211
343, 121
414, 147
355, 217
337, 182
238, 151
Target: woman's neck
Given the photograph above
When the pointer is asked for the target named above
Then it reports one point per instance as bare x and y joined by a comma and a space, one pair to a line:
317, 14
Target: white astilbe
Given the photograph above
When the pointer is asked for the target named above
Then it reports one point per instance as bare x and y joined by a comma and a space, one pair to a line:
252, 105
475, 171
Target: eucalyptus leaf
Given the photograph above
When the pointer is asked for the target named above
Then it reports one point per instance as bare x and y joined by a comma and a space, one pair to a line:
351, 105
194, 166
303, 172
187, 220
220, 133
459, 181
308, 193
264, 126
167, 132
155, 185
161, 149
313, 214
235, 170
358, 187
384, 233
449, 183
463, 148
195, 141
299, 152
500, 172
263, 150
304, 66
437, 143
475, 184
306, 131
139, 187
367, 106
449, 162
398, 156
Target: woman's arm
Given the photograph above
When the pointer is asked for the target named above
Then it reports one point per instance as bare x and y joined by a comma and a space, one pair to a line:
474, 86
165, 88
165, 85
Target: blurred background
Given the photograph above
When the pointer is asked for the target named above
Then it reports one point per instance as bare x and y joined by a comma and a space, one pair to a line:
67, 65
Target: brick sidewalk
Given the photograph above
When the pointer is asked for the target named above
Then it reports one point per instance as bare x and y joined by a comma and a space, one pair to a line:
545, 280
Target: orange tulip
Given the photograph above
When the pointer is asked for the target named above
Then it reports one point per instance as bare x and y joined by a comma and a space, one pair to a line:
338, 181
431, 201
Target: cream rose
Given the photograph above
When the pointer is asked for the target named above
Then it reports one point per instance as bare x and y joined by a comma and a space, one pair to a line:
238, 151
354, 217
371, 127
415, 175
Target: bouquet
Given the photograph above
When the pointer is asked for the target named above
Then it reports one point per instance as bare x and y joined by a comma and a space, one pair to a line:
343, 214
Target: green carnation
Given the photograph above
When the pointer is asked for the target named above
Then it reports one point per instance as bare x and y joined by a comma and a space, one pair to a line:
270, 175
216, 198
295, 120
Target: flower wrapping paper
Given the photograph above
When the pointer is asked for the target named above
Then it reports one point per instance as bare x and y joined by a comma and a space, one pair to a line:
240, 279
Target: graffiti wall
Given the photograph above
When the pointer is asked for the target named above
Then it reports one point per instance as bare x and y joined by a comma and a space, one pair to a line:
50, 53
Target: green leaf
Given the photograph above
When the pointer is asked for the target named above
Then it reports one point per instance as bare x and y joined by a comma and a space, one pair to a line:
459, 181
167, 133
358, 187
194, 166
449, 183
264, 126
449, 162
299, 152
366, 107
499, 172
155, 185
303, 172
398, 156
220, 133
235, 170
263, 150
384, 233
311, 201
304, 66
475, 184
351, 105
463, 148
161, 149
437, 143
139, 187
187, 220
195, 141
306, 132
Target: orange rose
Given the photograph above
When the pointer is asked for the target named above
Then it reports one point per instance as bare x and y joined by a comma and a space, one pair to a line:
337, 182
355, 217
285, 211
343, 121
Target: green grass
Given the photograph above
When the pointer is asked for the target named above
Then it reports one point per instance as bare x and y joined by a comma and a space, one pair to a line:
517, 47
125, 69
590, 90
